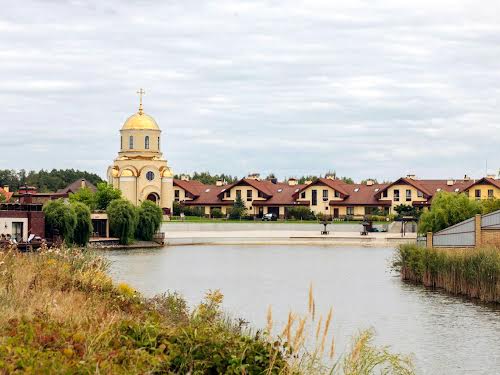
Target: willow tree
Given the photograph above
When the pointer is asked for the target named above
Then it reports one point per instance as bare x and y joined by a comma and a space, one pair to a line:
83, 228
122, 217
60, 219
149, 220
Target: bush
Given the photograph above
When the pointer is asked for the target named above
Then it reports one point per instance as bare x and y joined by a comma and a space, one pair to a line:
447, 209
60, 219
85, 196
83, 228
490, 205
122, 217
176, 209
300, 213
216, 213
150, 217
105, 194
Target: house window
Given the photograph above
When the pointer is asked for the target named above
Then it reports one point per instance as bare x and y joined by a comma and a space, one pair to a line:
408, 195
420, 194
177, 195
146, 142
337, 194
384, 194
478, 194
260, 194
303, 195
326, 208
249, 195
396, 195
131, 142
350, 211
17, 231
467, 193
150, 176
238, 194
228, 193
490, 194
314, 200
325, 195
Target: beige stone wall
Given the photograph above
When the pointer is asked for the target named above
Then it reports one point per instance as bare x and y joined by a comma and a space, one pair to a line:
490, 237
323, 205
483, 188
402, 196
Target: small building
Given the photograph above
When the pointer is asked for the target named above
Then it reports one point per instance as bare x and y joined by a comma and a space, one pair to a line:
19, 221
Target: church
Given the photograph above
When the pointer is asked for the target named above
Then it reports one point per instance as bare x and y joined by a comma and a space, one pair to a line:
140, 171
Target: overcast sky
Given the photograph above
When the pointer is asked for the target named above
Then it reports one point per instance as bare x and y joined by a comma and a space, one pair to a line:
367, 88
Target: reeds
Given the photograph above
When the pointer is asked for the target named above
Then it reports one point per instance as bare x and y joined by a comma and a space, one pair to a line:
473, 273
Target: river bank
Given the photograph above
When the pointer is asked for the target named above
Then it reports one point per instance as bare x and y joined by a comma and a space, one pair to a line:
278, 234
62, 313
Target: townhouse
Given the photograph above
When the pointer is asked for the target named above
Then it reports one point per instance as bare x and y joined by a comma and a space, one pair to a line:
327, 196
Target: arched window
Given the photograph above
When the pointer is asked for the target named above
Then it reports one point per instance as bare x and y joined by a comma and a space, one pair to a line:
158, 143
121, 142
146, 142
131, 142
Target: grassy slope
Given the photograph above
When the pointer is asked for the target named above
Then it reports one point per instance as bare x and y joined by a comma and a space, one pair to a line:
61, 313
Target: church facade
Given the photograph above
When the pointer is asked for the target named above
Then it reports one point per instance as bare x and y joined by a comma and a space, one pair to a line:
140, 170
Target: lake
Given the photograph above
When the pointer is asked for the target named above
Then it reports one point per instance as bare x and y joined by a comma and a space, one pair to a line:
445, 334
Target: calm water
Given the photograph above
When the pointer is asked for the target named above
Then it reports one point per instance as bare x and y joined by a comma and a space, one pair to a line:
445, 334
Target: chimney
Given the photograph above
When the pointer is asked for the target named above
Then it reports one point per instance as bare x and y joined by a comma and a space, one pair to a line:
369, 182
308, 182
411, 176
492, 176
254, 176
292, 181
450, 182
466, 178
6, 188
219, 183
330, 176
82, 183
184, 177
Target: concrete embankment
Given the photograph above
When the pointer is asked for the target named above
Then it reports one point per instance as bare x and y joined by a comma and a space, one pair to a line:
276, 233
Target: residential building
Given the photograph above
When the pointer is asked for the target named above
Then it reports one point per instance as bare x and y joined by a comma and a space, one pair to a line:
19, 221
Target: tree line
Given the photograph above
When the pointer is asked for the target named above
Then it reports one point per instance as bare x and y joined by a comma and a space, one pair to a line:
44, 180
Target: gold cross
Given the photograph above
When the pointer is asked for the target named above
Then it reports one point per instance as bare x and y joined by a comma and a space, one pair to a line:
141, 92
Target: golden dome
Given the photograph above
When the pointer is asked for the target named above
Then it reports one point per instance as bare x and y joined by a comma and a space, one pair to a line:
140, 121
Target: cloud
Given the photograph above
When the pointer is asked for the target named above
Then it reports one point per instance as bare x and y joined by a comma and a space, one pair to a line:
295, 87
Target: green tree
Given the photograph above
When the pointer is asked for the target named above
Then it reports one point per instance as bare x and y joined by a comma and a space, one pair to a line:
83, 227
347, 180
407, 210
150, 217
105, 194
300, 213
85, 196
60, 219
490, 205
238, 211
122, 217
447, 209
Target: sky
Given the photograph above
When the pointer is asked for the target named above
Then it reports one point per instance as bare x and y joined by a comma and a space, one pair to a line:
376, 88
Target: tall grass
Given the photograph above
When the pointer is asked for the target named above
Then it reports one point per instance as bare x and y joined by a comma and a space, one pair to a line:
472, 273
61, 313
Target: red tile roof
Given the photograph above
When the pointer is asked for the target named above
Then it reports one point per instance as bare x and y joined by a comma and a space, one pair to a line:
193, 187
485, 180
361, 195
77, 185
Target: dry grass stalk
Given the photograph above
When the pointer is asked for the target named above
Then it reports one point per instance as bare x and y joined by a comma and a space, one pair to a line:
269, 319
311, 298
299, 335
332, 348
318, 327
325, 331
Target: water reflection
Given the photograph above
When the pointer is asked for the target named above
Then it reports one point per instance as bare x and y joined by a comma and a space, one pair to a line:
446, 334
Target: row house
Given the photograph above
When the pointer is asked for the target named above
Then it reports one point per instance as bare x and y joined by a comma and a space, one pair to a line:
328, 196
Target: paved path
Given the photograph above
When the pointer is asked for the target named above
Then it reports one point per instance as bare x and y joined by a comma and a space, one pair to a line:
284, 237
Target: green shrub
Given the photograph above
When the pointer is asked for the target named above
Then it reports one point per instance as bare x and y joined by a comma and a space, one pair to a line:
85, 196
216, 213
60, 219
238, 210
105, 194
490, 205
149, 220
83, 228
176, 209
300, 213
447, 209
122, 217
